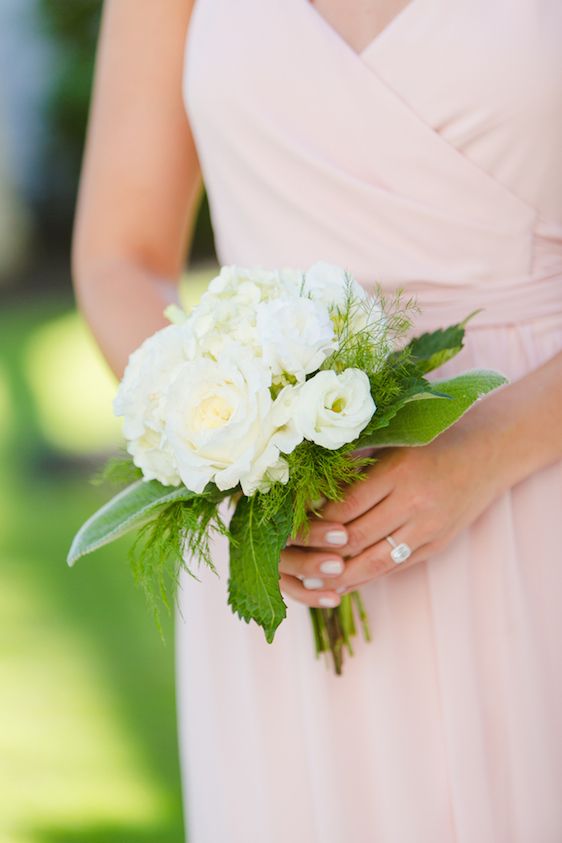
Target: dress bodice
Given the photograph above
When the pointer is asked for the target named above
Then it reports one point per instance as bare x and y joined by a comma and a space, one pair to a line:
431, 160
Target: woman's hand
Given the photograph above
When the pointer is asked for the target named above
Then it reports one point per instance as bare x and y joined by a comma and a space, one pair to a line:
422, 496
425, 496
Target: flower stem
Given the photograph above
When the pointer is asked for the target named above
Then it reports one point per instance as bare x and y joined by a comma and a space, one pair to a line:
334, 628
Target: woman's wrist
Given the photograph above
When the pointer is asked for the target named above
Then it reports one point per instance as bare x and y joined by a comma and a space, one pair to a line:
519, 426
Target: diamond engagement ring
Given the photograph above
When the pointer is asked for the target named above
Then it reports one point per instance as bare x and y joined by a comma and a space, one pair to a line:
399, 552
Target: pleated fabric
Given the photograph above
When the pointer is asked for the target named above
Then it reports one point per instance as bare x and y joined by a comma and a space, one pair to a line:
430, 161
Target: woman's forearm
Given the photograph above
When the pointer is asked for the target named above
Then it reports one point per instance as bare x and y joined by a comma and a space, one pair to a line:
123, 304
524, 423
141, 181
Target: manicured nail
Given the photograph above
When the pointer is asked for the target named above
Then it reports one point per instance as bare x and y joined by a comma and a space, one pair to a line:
312, 582
336, 537
329, 602
332, 566
342, 590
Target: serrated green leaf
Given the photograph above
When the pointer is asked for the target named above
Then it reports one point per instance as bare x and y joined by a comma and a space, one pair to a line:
130, 509
434, 348
419, 422
253, 586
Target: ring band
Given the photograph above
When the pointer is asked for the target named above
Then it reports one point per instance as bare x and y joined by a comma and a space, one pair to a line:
400, 552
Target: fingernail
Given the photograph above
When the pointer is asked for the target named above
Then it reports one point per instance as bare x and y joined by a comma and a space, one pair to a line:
312, 582
331, 566
342, 590
328, 602
336, 537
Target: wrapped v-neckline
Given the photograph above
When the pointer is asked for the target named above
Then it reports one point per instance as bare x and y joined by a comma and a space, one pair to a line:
398, 19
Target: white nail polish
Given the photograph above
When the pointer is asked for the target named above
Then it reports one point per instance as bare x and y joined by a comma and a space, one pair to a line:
312, 582
328, 602
331, 566
338, 537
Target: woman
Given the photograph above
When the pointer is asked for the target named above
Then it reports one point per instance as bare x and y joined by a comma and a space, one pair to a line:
417, 145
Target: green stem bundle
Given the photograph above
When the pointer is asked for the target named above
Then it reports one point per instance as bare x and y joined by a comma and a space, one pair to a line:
334, 628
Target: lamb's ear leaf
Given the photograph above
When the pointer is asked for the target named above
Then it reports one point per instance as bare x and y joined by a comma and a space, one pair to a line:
130, 509
255, 548
418, 422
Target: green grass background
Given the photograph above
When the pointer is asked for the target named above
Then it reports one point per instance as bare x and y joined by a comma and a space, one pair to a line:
87, 718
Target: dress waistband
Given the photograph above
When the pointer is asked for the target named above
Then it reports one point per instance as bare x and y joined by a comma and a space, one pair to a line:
500, 305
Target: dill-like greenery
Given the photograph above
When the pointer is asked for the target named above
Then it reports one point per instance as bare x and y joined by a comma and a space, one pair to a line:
367, 330
314, 473
180, 531
118, 471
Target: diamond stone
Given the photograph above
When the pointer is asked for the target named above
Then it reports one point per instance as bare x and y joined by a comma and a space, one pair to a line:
400, 553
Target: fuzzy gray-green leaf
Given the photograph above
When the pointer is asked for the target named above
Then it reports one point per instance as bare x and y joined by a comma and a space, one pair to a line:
131, 508
419, 422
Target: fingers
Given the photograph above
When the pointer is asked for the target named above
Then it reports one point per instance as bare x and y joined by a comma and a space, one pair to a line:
313, 567
321, 599
376, 561
356, 535
371, 528
360, 496
322, 533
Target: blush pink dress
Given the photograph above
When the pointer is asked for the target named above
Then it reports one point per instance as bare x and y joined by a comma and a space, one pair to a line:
431, 160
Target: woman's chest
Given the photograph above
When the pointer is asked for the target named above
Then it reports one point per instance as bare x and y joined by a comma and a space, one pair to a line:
359, 22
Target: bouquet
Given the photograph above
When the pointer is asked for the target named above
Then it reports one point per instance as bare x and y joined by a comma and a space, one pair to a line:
267, 394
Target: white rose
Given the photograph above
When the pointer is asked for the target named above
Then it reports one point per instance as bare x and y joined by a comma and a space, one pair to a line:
296, 336
333, 409
222, 423
141, 397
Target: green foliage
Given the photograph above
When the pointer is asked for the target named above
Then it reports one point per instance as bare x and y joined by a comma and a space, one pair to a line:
257, 539
180, 530
402, 380
368, 347
118, 471
418, 422
173, 523
433, 349
130, 509
316, 473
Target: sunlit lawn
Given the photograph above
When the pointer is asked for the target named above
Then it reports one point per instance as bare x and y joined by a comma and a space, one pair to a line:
87, 721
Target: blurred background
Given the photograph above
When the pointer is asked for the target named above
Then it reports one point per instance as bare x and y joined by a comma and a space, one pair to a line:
87, 719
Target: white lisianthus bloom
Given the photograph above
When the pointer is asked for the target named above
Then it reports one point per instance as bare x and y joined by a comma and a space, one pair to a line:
279, 436
141, 398
296, 336
333, 409
222, 423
